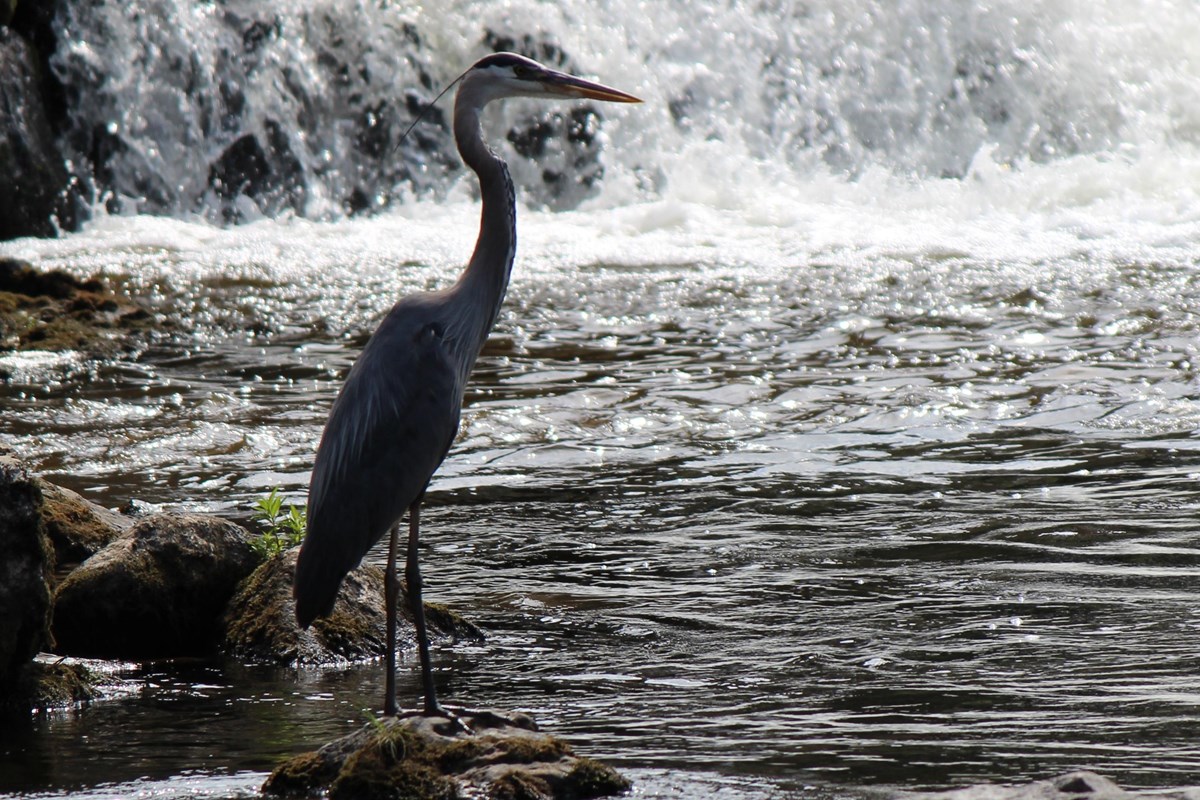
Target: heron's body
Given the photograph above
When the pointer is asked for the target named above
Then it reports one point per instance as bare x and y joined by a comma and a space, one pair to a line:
398, 411
384, 439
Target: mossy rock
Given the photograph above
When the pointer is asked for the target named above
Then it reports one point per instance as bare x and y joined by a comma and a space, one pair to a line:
77, 527
433, 758
45, 686
156, 591
395, 764
62, 684
53, 310
260, 620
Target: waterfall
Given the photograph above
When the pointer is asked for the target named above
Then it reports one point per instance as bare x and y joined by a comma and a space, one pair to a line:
234, 110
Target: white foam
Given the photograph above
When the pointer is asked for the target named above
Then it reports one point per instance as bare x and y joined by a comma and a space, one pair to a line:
772, 138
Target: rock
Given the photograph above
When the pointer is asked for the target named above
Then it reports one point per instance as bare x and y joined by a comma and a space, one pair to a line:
61, 684
26, 566
1079, 785
53, 310
34, 22
156, 591
46, 686
32, 171
51, 682
77, 527
504, 756
263, 169
260, 621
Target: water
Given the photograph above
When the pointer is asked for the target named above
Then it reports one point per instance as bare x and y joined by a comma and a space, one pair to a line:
842, 437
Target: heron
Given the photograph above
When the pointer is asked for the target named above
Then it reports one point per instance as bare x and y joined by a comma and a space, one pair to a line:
398, 410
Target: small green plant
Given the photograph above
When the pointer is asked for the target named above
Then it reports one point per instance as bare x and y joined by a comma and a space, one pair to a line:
386, 738
281, 530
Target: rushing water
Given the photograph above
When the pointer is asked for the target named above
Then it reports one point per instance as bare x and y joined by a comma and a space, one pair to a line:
844, 437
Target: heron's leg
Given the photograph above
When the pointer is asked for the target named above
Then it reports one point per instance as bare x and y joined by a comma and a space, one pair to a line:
391, 593
412, 574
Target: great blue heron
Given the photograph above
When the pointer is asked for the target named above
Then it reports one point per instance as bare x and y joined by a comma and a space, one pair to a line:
398, 411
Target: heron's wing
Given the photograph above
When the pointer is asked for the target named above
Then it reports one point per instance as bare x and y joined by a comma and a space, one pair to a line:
389, 429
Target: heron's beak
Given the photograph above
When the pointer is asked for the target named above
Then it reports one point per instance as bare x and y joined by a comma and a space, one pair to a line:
570, 86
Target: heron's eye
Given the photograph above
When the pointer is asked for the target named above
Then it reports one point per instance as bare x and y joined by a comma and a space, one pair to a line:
522, 71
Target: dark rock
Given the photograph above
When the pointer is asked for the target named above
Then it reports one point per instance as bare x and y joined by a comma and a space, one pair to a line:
243, 166
50, 683
122, 170
135, 508
263, 169
576, 132
18, 277
260, 621
32, 171
156, 591
62, 684
55, 311
503, 757
26, 566
34, 22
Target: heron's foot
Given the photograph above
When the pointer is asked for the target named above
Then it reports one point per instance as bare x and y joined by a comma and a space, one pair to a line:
457, 723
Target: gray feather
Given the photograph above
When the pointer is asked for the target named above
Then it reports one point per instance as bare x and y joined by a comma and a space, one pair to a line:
389, 430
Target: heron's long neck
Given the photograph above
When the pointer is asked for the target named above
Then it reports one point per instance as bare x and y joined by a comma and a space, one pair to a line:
482, 286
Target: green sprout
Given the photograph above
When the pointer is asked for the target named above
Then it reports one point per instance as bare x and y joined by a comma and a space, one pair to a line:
281, 530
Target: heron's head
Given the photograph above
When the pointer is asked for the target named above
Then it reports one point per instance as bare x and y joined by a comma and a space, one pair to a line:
510, 75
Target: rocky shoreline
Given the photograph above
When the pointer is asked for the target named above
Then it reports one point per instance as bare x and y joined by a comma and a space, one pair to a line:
169, 585
87, 582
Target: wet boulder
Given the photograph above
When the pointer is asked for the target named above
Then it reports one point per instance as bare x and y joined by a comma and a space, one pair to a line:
262, 168
158, 590
32, 172
260, 621
500, 756
26, 566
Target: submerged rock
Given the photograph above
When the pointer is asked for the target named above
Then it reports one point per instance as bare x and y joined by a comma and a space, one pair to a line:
55, 311
1078, 785
26, 566
260, 621
156, 591
504, 756
43, 686
50, 683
